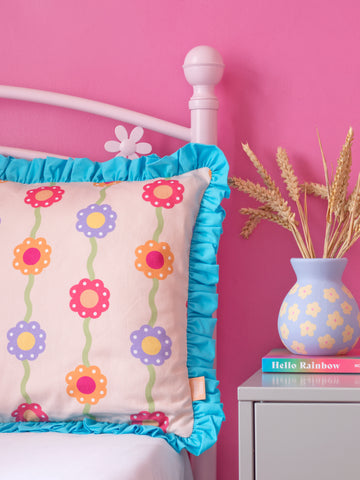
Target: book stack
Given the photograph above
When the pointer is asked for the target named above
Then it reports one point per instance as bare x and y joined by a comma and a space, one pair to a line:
281, 360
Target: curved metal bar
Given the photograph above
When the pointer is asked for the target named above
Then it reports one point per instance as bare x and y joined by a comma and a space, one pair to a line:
26, 154
96, 108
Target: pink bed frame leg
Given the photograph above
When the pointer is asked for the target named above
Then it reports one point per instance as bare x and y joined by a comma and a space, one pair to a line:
203, 68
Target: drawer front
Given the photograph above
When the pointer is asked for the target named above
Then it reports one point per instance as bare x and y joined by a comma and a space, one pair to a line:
307, 441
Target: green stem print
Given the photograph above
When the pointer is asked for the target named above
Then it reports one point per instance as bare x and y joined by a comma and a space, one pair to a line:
37, 222
152, 304
160, 224
25, 380
102, 195
27, 299
85, 354
86, 411
90, 261
154, 312
86, 324
148, 388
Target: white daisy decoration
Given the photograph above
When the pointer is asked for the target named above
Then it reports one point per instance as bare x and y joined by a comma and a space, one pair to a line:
128, 146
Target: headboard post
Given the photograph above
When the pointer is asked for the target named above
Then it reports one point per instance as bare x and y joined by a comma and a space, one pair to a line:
203, 69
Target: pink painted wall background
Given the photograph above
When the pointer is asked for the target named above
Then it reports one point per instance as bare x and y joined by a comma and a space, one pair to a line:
291, 67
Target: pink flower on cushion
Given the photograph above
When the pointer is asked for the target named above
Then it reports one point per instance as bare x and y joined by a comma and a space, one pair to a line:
44, 196
29, 412
89, 298
163, 193
155, 419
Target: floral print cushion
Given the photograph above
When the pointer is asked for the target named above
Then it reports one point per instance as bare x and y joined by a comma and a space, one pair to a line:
95, 297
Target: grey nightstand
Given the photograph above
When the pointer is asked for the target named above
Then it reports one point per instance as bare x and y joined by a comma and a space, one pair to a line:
299, 427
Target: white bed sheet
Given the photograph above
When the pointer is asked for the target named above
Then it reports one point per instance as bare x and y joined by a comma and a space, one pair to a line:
57, 456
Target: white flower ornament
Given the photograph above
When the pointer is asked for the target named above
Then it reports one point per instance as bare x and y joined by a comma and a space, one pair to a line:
127, 146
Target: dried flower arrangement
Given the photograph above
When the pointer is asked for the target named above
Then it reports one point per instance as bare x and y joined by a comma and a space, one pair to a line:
343, 210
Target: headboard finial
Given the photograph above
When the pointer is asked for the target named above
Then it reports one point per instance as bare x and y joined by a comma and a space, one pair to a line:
203, 65
203, 69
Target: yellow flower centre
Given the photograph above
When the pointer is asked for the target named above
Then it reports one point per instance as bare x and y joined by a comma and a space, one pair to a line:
43, 195
151, 345
95, 220
89, 298
163, 191
26, 341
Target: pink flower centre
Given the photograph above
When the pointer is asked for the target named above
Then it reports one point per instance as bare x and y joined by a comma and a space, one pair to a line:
155, 260
31, 256
163, 192
30, 416
89, 298
86, 385
43, 195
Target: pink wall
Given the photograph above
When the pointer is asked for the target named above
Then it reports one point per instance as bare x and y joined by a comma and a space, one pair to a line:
290, 67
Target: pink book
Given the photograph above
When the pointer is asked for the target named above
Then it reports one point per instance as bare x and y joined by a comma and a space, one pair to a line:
281, 360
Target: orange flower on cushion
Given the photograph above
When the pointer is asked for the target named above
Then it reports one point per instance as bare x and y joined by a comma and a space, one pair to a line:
154, 259
86, 384
44, 196
106, 184
32, 256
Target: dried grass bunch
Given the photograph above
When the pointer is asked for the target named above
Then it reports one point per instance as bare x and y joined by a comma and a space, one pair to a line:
343, 210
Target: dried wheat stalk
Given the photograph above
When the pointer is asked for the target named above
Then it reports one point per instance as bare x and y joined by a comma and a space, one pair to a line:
268, 181
315, 189
292, 185
338, 213
343, 212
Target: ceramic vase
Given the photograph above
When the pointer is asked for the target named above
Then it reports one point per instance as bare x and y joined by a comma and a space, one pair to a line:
319, 315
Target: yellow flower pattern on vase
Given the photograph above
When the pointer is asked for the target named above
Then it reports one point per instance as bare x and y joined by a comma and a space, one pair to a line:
327, 341
331, 294
305, 291
346, 308
347, 333
347, 291
334, 320
294, 289
319, 315
284, 331
293, 312
307, 328
298, 347
283, 308
313, 309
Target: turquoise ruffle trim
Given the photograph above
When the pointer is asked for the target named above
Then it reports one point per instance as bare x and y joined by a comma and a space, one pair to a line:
203, 275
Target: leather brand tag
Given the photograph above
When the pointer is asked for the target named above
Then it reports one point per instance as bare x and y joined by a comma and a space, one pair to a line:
197, 387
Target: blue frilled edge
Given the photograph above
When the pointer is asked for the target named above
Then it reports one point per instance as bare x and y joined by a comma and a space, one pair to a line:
203, 275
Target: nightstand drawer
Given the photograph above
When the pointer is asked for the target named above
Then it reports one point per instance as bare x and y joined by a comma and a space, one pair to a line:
311, 441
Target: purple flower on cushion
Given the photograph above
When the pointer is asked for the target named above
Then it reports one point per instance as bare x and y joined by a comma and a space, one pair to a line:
96, 220
26, 340
151, 345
